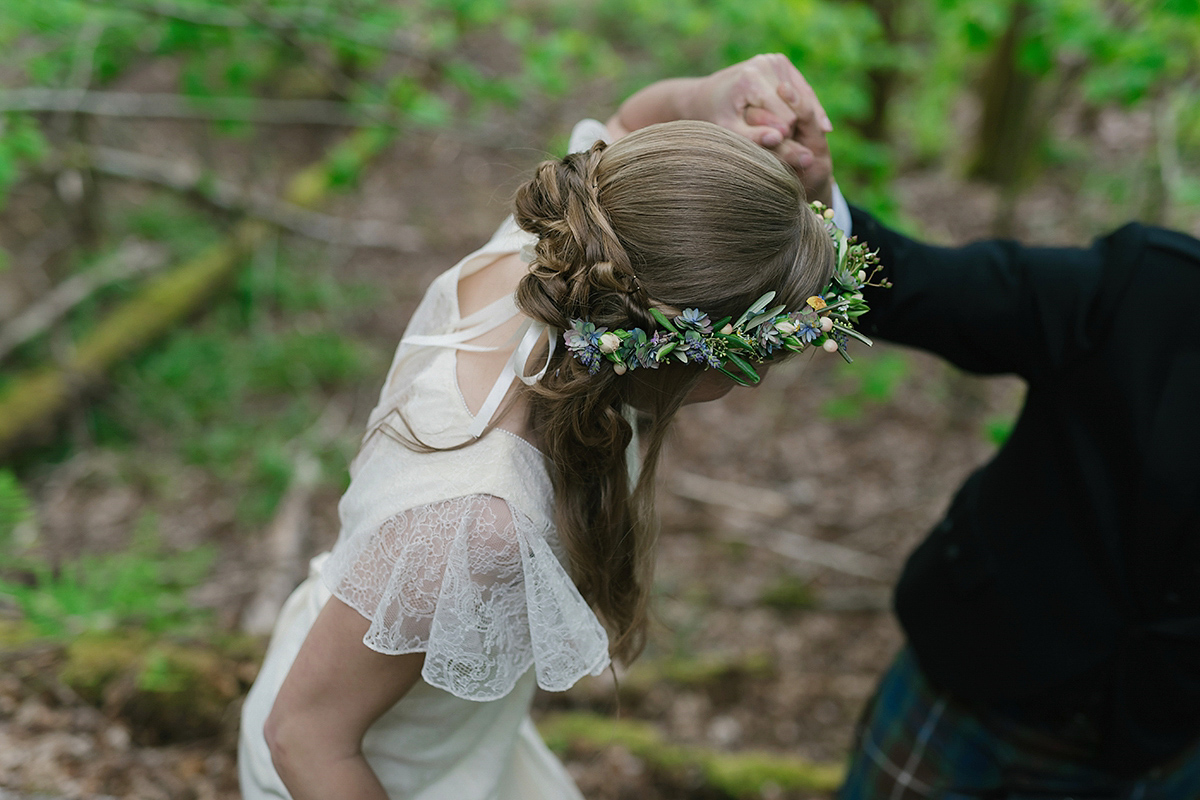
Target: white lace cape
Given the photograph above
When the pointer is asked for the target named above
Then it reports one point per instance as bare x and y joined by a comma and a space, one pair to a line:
454, 553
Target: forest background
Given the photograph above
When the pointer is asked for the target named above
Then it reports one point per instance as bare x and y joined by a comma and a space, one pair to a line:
216, 217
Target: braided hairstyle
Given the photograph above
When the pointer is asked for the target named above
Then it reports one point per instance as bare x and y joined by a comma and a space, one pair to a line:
682, 214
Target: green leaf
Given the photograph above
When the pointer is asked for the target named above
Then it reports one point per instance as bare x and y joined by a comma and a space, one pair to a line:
757, 306
759, 319
737, 378
661, 318
744, 366
851, 332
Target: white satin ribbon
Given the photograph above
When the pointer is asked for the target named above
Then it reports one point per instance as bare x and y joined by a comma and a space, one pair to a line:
491, 316
514, 369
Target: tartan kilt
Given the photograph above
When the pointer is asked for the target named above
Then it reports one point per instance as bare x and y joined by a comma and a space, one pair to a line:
914, 743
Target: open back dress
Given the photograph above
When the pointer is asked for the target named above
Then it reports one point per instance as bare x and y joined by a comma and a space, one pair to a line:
454, 554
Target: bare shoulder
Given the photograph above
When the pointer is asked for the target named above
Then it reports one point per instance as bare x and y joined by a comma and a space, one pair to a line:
478, 371
490, 282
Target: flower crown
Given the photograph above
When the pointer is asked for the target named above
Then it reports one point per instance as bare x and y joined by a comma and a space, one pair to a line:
827, 321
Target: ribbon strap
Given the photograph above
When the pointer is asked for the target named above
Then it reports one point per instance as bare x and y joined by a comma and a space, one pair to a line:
531, 333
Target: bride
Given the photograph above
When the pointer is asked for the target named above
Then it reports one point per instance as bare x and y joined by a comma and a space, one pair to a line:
496, 535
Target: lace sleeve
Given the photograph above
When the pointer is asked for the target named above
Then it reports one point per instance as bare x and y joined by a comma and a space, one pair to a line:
472, 584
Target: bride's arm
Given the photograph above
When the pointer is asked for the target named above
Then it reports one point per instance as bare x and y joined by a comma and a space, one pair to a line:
765, 99
724, 98
336, 688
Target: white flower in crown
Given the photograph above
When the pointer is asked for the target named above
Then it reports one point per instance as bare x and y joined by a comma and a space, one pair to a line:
528, 252
609, 343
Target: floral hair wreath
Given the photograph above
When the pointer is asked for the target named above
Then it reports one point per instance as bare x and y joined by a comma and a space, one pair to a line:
827, 321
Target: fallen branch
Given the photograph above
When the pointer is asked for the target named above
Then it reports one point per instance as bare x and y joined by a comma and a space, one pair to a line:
770, 503
305, 20
32, 399
174, 106
226, 195
814, 551
133, 258
9, 794
738, 496
283, 547
287, 536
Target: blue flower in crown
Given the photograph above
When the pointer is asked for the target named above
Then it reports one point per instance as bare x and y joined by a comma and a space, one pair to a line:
638, 349
808, 326
583, 339
696, 349
695, 320
770, 337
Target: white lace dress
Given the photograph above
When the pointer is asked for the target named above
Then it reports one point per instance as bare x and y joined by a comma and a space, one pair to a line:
453, 554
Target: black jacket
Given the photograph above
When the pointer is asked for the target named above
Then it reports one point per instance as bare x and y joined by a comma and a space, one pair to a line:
1064, 581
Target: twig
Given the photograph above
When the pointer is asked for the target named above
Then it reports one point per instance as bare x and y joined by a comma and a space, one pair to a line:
767, 502
82, 64
754, 499
186, 178
132, 258
174, 106
287, 536
283, 547
814, 551
28, 401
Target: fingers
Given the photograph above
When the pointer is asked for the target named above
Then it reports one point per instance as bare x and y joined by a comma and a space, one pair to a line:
795, 155
756, 94
791, 152
797, 92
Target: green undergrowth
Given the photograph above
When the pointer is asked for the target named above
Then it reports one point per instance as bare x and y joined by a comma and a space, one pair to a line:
239, 391
143, 586
737, 775
789, 593
871, 380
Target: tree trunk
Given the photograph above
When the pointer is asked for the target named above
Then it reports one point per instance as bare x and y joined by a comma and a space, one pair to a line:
1006, 132
882, 80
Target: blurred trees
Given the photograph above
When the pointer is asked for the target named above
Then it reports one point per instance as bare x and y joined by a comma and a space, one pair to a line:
891, 73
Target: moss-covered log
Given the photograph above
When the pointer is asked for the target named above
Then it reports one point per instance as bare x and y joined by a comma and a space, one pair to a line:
167, 689
31, 400
739, 775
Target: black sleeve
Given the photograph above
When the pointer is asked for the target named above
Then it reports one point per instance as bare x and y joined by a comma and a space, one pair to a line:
989, 307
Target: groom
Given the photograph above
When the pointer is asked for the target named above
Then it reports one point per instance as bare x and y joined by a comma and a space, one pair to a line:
1052, 617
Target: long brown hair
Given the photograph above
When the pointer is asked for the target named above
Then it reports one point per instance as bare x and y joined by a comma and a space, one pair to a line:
683, 214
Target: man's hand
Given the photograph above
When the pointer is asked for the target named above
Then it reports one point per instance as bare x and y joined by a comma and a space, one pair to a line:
748, 99
806, 149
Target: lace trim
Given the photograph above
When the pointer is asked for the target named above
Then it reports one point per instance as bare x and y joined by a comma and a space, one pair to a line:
475, 586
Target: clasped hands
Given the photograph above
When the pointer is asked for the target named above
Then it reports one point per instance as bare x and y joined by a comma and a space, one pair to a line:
767, 100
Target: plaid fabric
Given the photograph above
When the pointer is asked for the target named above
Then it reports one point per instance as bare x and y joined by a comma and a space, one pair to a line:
915, 743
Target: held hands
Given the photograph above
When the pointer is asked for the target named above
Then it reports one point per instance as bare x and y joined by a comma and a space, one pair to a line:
768, 101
